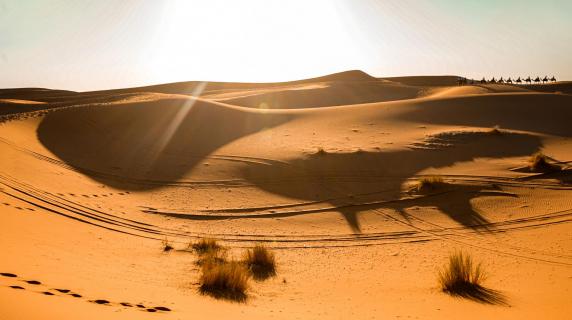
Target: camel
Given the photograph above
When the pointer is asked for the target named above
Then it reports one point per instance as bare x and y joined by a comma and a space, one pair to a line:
509, 80
537, 80
528, 80
545, 79
553, 79
518, 80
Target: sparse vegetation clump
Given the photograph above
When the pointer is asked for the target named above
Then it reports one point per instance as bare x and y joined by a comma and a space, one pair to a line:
260, 261
429, 183
167, 245
227, 279
205, 245
461, 275
539, 162
224, 280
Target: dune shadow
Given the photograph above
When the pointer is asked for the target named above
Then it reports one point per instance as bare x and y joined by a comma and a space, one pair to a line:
356, 182
455, 202
525, 112
146, 144
563, 176
352, 183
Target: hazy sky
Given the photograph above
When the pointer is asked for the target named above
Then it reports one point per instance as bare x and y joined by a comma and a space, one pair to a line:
86, 45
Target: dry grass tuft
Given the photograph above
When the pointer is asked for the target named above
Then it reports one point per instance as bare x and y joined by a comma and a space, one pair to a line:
429, 183
460, 273
167, 245
226, 281
260, 261
206, 245
461, 277
539, 162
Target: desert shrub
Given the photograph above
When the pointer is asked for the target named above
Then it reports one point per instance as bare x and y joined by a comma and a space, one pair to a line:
429, 183
205, 245
226, 280
539, 162
167, 246
461, 275
260, 261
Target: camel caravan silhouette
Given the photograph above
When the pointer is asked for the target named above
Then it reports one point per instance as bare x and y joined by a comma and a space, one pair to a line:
461, 81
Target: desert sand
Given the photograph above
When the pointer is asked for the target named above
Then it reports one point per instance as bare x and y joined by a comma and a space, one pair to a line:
322, 171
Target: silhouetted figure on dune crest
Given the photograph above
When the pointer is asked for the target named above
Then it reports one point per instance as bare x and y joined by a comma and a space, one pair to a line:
509, 80
528, 80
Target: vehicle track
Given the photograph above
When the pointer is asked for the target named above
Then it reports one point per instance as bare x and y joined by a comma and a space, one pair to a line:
111, 222
82, 213
449, 238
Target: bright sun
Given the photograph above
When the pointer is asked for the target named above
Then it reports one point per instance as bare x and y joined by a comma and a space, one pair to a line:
259, 40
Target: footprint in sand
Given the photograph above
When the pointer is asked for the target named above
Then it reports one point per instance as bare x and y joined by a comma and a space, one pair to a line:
162, 309
100, 301
77, 295
9, 275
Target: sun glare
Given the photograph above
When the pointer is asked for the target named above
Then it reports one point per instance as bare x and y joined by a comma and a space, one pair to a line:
252, 41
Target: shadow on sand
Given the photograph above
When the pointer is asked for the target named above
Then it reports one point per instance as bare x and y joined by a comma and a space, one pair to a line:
349, 181
480, 294
352, 183
145, 145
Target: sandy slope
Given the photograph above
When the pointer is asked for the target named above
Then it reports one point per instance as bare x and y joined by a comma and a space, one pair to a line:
320, 170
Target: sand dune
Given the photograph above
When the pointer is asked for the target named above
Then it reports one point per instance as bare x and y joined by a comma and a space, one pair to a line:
169, 136
323, 171
14, 106
330, 94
